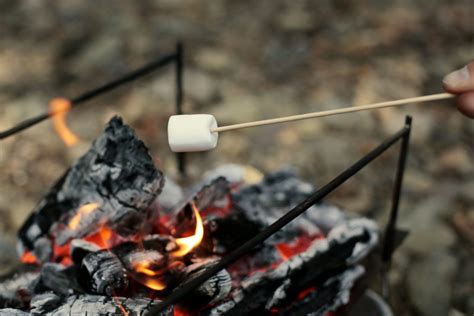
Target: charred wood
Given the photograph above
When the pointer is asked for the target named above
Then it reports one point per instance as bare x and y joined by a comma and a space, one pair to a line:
103, 273
117, 174
16, 289
226, 233
332, 294
81, 248
13, 312
214, 195
213, 290
105, 306
277, 287
44, 303
59, 279
267, 201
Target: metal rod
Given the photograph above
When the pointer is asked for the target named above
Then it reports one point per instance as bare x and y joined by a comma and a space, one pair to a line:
180, 293
142, 71
179, 69
391, 228
392, 222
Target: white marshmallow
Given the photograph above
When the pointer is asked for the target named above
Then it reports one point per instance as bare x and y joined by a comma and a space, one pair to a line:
192, 132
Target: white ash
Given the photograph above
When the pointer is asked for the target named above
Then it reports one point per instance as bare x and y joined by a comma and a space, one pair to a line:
13, 312
355, 227
44, 302
279, 294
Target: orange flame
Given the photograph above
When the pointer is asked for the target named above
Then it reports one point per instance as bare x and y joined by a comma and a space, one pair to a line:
154, 284
144, 267
186, 244
151, 275
58, 110
83, 210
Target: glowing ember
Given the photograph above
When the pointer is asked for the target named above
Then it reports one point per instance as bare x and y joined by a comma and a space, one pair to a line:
186, 244
28, 257
120, 306
83, 210
288, 250
58, 110
102, 238
305, 292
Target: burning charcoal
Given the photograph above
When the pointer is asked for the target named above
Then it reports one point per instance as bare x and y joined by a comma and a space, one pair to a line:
151, 263
213, 290
226, 233
45, 302
264, 291
13, 312
160, 243
81, 248
332, 294
59, 279
16, 289
109, 271
352, 229
103, 273
267, 201
153, 269
43, 249
212, 196
107, 306
113, 184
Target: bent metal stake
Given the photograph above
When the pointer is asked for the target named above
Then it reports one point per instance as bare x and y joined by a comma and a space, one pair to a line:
199, 132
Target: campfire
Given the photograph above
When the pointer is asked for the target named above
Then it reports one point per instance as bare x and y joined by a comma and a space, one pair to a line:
115, 236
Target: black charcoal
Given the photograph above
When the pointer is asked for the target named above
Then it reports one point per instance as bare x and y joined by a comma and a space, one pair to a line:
103, 273
106, 306
117, 174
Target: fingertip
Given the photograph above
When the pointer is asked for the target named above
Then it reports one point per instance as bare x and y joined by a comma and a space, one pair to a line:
465, 104
461, 80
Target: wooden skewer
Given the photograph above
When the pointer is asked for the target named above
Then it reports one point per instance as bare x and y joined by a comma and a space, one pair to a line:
426, 98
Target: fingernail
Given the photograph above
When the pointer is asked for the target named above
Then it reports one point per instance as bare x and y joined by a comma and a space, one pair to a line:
457, 77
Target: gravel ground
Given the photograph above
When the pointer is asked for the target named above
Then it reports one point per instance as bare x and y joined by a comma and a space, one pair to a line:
251, 60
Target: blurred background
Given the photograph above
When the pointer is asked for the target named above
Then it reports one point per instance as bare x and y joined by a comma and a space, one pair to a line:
249, 60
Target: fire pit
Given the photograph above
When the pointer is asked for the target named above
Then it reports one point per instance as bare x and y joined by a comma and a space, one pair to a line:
114, 235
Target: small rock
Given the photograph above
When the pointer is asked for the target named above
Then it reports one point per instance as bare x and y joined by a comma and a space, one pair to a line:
429, 282
455, 159
427, 229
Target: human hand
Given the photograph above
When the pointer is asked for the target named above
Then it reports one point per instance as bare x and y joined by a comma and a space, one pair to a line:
461, 83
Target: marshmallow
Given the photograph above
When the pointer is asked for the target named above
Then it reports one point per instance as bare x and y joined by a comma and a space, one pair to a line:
192, 132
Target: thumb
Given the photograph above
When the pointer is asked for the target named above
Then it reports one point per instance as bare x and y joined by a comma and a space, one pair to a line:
461, 80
